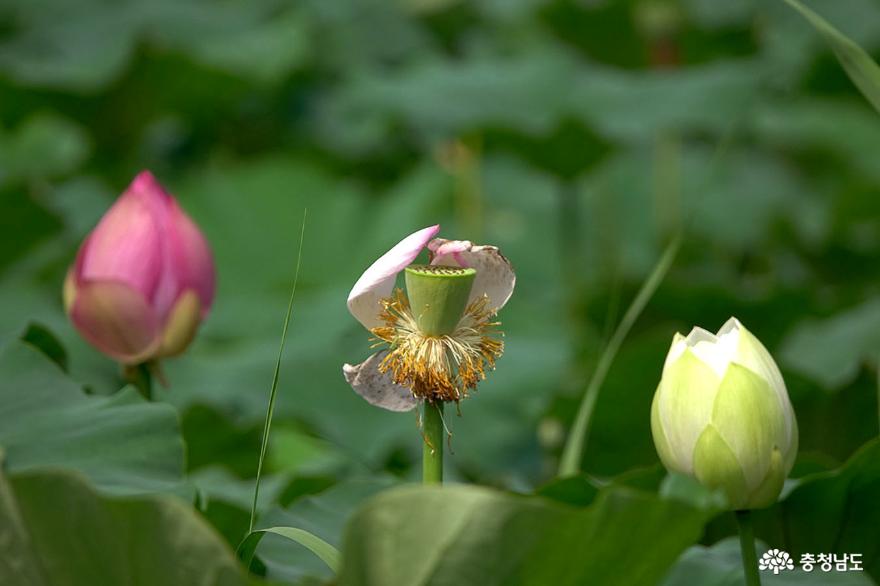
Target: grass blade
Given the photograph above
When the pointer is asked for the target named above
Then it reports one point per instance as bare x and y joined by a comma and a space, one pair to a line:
862, 70
326, 552
573, 451
274, 389
574, 445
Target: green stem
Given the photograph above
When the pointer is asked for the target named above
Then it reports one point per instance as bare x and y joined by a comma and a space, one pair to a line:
570, 462
140, 377
747, 546
432, 450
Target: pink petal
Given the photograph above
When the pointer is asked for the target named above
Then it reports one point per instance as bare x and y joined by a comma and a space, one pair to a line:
147, 187
186, 260
116, 319
124, 246
375, 387
377, 281
191, 257
495, 276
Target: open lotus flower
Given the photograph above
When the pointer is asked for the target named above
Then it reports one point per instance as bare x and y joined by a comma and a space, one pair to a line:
722, 414
439, 337
143, 279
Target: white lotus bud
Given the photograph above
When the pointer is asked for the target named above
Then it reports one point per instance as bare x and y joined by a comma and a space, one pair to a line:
722, 415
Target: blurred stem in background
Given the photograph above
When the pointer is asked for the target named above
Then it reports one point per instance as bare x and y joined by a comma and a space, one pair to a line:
570, 247
747, 546
667, 182
667, 189
432, 450
463, 159
140, 376
659, 22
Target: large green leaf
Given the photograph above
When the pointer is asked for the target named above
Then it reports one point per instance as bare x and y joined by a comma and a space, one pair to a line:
474, 536
58, 531
863, 71
532, 92
43, 146
831, 512
832, 350
846, 129
84, 44
121, 443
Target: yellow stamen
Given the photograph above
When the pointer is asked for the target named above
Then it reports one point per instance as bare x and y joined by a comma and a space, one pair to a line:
438, 368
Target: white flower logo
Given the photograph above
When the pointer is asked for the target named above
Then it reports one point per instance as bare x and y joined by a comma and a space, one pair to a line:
776, 560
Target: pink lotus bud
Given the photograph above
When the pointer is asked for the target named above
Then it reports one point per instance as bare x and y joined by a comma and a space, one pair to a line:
143, 279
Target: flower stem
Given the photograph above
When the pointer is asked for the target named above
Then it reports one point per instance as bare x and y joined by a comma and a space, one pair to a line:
432, 451
140, 377
747, 546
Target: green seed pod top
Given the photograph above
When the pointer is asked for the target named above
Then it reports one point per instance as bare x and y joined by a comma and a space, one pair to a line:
438, 296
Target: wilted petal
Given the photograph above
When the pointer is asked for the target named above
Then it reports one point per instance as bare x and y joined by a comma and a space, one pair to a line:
377, 281
116, 319
495, 276
124, 246
376, 387
444, 247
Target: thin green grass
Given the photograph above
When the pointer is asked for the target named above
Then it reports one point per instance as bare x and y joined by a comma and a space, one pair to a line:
572, 453
574, 447
274, 390
323, 550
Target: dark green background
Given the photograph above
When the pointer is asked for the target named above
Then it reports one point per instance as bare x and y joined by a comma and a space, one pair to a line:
577, 135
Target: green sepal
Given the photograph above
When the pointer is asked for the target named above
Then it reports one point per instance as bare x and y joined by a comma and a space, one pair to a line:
716, 467
768, 491
748, 416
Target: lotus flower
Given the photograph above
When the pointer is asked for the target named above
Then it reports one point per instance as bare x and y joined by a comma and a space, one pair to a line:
143, 279
722, 414
440, 336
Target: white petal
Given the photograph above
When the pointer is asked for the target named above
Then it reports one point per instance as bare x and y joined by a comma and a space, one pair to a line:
676, 349
685, 399
716, 350
752, 354
377, 281
377, 388
495, 276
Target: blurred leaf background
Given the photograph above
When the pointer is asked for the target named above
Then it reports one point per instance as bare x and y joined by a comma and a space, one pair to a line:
577, 135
